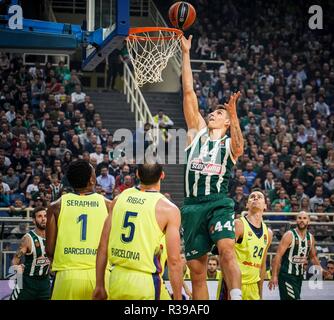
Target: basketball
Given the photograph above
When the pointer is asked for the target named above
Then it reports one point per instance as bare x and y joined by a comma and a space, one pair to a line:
182, 15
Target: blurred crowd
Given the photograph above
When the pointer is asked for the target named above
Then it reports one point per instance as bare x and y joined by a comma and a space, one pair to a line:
46, 122
285, 72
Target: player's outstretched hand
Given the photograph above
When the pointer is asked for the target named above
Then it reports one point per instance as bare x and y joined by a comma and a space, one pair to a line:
231, 106
186, 43
273, 283
100, 294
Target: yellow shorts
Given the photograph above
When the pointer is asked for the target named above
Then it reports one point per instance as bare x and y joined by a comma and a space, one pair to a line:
250, 291
75, 284
126, 284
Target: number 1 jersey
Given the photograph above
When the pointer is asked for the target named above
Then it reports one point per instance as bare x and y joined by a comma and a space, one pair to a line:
80, 225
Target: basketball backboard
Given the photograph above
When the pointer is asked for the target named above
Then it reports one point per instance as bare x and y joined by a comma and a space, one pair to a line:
110, 21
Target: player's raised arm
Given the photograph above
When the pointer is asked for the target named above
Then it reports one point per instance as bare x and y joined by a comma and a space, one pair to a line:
263, 267
51, 228
192, 116
282, 247
237, 139
173, 243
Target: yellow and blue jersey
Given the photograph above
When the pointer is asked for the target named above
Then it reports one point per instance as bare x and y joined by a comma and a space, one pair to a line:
250, 252
80, 225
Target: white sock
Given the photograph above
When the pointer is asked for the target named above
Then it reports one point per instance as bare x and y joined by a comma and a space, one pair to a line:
235, 294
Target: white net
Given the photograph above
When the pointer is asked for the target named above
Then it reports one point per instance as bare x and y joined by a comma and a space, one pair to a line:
150, 52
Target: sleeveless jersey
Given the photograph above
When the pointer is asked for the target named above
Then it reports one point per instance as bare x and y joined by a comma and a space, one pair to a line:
250, 252
135, 237
209, 165
80, 225
295, 257
36, 262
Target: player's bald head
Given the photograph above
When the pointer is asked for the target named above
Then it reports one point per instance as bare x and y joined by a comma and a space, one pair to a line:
302, 220
303, 214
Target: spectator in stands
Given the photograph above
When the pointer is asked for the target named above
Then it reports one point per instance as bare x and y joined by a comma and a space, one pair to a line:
62, 72
213, 273
277, 208
105, 163
32, 189
106, 181
75, 147
89, 114
124, 171
115, 68
330, 269
300, 193
317, 199
305, 204
5, 186
103, 138
4, 201
307, 172
55, 188
86, 136
66, 161
269, 183
62, 150
128, 183
98, 155
283, 200
78, 97
12, 180
203, 46
37, 147
19, 128
240, 201
164, 122
319, 182
98, 125
60, 96
18, 209
37, 91
322, 107
115, 193
249, 174
99, 190
4, 64
115, 170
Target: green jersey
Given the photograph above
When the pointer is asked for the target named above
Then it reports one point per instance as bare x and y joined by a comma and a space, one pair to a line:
209, 165
36, 262
296, 256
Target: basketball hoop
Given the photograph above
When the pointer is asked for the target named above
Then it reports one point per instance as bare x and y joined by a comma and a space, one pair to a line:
150, 49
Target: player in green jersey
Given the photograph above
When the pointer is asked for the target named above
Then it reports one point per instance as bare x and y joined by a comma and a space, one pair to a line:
208, 212
35, 284
297, 246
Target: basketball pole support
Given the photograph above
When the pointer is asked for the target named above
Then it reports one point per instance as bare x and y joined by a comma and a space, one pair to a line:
37, 35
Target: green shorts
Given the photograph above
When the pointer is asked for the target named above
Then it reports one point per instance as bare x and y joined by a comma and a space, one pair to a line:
33, 288
205, 221
289, 286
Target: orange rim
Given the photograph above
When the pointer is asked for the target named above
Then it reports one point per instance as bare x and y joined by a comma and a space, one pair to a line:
134, 33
